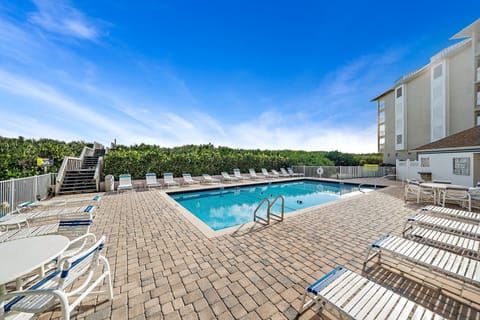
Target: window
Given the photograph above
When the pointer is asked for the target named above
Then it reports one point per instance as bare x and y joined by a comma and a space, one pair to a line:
399, 139
461, 166
381, 105
381, 117
425, 162
437, 72
399, 92
381, 130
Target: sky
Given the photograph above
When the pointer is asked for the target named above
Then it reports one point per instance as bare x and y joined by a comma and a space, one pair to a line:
245, 74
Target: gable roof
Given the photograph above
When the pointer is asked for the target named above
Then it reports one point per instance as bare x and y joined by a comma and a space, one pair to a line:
464, 139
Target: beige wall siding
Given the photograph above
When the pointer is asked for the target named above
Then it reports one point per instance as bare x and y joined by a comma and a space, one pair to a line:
389, 152
460, 94
418, 111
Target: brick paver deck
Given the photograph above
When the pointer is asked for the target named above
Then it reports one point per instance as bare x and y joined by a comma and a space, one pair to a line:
165, 268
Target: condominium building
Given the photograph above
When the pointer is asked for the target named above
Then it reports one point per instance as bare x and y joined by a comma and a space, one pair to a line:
438, 100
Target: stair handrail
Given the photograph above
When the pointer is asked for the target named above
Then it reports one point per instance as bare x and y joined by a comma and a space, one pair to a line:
98, 172
98, 145
282, 215
87, 152
68, 163
267, 221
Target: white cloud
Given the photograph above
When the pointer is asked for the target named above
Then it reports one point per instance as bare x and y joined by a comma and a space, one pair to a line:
61, 18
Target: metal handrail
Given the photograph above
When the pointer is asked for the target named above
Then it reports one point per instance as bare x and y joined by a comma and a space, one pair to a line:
267, 221
68, 163
277, 217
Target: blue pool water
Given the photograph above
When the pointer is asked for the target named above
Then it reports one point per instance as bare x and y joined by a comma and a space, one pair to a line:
233, 206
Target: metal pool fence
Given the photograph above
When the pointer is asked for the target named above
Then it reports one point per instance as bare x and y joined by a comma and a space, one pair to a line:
16, 191
344, 172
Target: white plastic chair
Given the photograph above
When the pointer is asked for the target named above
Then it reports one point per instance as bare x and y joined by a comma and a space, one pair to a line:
151, 180
57, 286
238, 174
208, 179
168, 180
187, 178
253, 174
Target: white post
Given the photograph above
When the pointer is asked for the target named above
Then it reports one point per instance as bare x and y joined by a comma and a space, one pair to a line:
12, 193
35, 188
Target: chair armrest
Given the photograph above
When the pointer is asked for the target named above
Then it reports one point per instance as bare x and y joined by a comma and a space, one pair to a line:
86, 235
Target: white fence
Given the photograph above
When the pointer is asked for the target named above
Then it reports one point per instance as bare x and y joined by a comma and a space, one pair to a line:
344, 172
16, 191
408, 169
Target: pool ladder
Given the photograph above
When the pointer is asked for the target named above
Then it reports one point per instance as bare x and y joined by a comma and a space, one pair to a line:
270, 214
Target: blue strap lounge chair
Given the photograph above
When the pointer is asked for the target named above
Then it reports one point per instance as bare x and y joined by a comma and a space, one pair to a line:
169, 181
348, 295
151, 180
125, 182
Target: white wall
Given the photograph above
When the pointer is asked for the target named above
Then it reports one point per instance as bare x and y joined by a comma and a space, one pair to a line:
441, 166
407, 169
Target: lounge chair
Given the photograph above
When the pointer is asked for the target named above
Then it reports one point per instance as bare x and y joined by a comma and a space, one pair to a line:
151, 180
457, 195
452, 226
285, 173
268, 175
276, 173
169, 181
208, 179
227, 178
187, 179
125, 182
446, 262
56, 288
58, 202
456, 243
453, 213
253, 174
348, 295
237, 174
294, 174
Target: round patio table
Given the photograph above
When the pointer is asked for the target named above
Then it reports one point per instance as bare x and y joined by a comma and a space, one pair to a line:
22, 256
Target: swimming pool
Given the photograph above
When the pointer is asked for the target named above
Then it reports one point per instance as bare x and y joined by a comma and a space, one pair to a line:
227, 207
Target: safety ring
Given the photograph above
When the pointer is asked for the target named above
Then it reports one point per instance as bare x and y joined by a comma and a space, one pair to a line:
320, 171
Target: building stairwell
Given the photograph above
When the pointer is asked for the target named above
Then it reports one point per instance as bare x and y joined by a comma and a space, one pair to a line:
80, 177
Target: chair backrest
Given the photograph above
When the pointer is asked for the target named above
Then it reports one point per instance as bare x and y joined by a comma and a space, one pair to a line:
275, 172
84, 262
252, 172
125, 179
237, 172
151, 178
290, 170
74, 225
225, 174
283, 171
187, 177
206, 176
457, 192
265, 172
168, 177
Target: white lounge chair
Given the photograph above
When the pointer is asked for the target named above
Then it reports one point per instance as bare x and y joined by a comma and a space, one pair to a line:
453, 213
237, 174
57, 287
169, 181
276, 173
435, 259
285, 173
58, 202
187, 179
457, 195
267, 175
348, 295
208, 179
253, 174
438, 223
125, 182
227, 178
151, 180
294, 174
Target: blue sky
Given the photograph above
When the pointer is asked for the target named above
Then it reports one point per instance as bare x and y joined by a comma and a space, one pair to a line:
247, 74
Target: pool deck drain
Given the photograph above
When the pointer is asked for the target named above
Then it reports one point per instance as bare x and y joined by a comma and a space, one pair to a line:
165, 268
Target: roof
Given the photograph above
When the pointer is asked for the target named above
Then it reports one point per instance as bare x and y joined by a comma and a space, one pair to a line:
382, 94
468, 31
462, 140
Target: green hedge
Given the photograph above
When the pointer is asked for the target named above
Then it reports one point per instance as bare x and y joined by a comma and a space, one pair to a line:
189, 159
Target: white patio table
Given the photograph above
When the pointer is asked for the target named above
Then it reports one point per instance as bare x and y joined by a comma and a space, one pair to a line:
437, 187
22, 256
